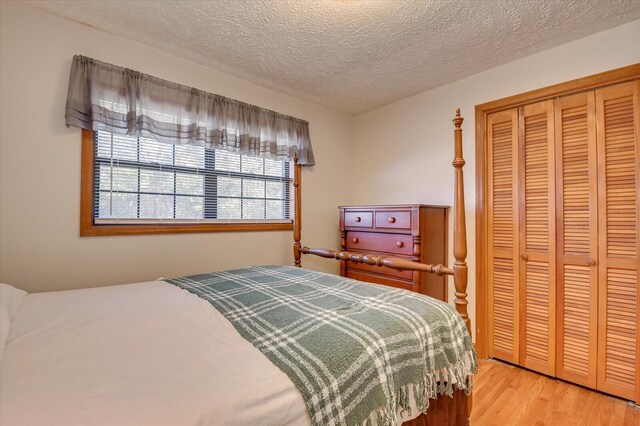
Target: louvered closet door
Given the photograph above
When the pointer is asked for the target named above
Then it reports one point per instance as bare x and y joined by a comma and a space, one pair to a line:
577, 245
502, 136
618, 122
537, 237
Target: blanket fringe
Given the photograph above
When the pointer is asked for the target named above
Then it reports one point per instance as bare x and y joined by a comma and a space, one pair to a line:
439, 382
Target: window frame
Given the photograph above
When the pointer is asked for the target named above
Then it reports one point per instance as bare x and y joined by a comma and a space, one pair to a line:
88, 227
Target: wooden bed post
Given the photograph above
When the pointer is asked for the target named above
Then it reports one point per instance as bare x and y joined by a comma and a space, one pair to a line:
460, 272
297, 214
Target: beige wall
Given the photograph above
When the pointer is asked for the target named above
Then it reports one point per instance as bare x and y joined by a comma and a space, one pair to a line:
404, 149
40, 247
407, 142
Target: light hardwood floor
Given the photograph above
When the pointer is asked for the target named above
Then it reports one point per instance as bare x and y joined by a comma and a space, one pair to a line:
508, 395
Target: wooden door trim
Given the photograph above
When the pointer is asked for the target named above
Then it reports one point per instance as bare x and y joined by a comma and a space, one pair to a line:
636, 102
583, 84
619, 75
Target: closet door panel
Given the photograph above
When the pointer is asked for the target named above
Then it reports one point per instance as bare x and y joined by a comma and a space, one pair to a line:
618, 119
577, 238
502, 137
537, 242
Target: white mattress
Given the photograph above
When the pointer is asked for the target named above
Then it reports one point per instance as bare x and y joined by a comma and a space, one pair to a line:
138, 354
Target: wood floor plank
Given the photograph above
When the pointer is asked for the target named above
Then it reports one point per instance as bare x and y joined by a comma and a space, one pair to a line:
505, 395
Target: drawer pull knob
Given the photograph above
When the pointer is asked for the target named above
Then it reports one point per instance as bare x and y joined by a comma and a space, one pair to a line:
355, 240
357, 219
399, 244
524, 256
591, 262
392, 219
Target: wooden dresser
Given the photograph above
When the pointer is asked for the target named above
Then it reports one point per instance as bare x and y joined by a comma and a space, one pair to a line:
412, 231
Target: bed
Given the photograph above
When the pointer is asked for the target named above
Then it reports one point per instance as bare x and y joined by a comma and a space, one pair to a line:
174, 352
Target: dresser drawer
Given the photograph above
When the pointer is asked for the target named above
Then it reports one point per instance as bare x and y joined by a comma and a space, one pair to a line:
362, 219
379, 279
393, 219
381, 270
389, 243
394, 231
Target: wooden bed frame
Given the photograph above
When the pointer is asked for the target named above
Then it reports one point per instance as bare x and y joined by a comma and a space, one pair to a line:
442, 411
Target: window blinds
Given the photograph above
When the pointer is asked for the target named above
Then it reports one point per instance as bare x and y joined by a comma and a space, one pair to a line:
140, 180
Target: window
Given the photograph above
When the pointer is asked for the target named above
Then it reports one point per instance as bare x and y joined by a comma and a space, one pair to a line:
143, 186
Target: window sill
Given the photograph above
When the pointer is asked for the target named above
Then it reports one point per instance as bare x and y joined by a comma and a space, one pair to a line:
92, 230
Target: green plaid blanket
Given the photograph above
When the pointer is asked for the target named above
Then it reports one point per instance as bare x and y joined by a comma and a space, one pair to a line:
355, 351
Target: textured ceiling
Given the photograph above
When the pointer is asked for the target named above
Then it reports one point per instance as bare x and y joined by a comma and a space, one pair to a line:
350, 55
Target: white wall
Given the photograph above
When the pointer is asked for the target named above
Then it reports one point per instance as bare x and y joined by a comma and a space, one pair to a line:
40, 247
404, 149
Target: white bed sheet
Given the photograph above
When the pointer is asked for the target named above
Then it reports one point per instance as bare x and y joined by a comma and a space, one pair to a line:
139, 354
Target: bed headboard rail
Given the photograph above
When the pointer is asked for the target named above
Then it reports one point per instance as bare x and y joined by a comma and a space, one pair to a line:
389, 262
459, 271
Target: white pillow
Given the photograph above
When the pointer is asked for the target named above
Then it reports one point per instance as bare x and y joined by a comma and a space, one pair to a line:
10, 300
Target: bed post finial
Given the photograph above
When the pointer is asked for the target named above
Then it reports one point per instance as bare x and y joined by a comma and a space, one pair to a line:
457, 121
460, 271
297, 213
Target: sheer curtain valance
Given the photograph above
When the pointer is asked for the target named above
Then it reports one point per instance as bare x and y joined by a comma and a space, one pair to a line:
105, 97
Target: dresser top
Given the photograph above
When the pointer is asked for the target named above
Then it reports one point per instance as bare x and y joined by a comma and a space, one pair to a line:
392, 206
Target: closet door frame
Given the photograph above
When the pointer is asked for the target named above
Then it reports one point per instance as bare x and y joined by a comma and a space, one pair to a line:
619, 75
